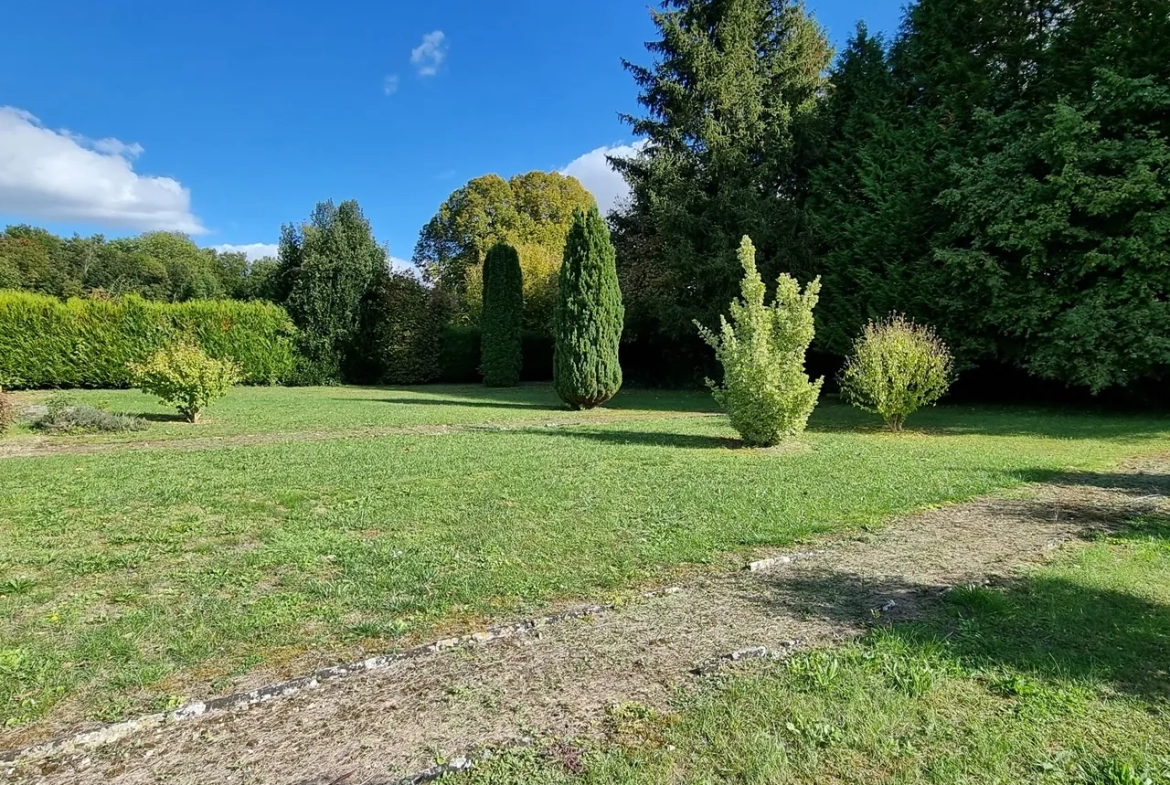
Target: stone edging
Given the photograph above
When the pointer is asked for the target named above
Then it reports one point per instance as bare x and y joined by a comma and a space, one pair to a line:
112, 733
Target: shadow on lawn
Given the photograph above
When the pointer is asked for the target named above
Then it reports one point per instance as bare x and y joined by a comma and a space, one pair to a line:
465, 404
640, 438
1048, 626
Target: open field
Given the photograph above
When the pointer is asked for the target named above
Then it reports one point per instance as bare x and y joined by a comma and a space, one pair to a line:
134, 578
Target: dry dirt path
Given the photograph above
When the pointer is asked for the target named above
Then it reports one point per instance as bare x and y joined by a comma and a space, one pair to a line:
382, 725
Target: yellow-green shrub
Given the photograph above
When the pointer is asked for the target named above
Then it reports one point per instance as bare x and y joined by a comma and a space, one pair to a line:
897, 367
183, 376
45, 342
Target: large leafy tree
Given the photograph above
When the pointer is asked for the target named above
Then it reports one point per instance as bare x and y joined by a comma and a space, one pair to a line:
587, 370
327, 264
729, 127
531, 212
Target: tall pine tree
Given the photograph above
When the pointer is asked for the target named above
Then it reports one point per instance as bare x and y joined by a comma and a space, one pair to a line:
587, 371
729, 109
503, 313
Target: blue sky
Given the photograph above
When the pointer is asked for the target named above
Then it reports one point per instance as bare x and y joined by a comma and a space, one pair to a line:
227, 119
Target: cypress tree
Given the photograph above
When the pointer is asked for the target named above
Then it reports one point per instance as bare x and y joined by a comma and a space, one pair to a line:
589, 315
503, 314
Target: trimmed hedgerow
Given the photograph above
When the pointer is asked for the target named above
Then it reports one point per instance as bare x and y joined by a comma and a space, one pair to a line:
45, 342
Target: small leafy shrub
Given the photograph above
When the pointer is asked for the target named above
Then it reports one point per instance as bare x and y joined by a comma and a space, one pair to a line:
897, 367
765, 389
7, 411
63, 415
184, 376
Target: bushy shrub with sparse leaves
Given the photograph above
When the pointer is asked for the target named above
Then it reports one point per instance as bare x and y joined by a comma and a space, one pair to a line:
64, 415
897, 367
765, 388
183, 376
7, 411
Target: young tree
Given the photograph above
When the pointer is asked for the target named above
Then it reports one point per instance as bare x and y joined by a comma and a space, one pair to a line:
503, 312
586, 367
762, 348
896, 368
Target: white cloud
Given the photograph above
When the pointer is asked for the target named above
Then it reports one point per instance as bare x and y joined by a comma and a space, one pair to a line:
593, 170
60, 176
390, 84
402, 265
430, 54
253, 251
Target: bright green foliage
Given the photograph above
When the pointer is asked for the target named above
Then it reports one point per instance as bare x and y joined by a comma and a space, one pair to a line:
87, 343
587, 371
7, 411
155, 265
401, 333
531, 212
503, 313
729, 122
897, 367
183, 376
762, 348
327, 265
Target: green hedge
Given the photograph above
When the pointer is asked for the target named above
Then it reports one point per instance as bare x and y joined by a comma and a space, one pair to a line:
45, 342
460, 361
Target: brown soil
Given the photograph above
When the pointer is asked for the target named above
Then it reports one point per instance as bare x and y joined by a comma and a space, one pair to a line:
559, 679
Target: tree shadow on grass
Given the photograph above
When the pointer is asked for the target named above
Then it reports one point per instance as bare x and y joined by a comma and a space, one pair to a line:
1047, 625
1151, 483
464, 404
638, 438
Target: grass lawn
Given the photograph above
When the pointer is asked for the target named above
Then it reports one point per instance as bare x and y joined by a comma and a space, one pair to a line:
131, 579
1059, 677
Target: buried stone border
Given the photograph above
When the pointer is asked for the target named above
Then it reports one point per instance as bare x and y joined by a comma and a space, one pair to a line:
110, 734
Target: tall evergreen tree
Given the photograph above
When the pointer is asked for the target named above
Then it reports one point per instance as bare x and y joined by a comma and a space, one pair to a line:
326, 267
586, 368
729, 109
501, 352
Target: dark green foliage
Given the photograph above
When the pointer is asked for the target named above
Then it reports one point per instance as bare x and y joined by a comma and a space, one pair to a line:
459, 358
586, 369
503, 314
45, 342
730, 102
401, 333
326, 267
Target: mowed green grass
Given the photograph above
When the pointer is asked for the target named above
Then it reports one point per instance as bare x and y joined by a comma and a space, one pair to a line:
133, 579
1057, 678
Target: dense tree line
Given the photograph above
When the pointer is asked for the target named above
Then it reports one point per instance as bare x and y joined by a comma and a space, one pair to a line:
157, 266
998, 169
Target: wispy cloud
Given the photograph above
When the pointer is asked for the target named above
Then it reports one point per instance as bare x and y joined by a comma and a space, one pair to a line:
593, 170
62, 176
430, 54
390, 84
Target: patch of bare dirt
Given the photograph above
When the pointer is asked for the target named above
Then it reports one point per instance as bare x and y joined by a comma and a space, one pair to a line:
559, 679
